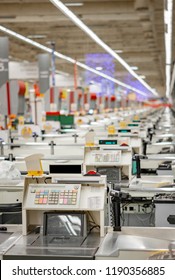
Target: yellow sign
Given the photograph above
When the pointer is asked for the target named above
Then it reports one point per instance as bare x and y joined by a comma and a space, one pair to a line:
35, 173
89, 144
26, 132
132, 96
47, 127
111, 129
136, 118
21, 120
123, 124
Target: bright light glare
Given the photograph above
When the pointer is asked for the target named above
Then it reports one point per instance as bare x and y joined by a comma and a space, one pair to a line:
69, 59
91, 34
74, 4
168, 15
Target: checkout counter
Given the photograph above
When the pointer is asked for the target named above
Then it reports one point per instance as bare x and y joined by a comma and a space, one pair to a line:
140, 209
145, 242
53, 153
64, 215
125, 242
11, 192
111, 157
63, 218
138, 244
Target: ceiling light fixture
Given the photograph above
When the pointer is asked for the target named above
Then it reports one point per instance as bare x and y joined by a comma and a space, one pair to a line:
99, 68
111, 79
142, 77
69, 59
118, 51
36, 36
74, 4
91, 34
135, 68
172, 78
168, 15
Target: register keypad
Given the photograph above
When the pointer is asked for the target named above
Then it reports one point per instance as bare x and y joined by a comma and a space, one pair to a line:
41, 196
53, 197
66, 197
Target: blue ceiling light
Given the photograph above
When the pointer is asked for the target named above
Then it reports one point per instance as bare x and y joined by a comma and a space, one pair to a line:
59, 5
135, 84
69, 59
106, 63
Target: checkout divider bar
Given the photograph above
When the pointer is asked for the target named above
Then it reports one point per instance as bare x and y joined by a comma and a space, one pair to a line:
52, 144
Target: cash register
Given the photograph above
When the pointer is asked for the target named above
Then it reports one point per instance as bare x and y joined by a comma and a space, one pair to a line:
63, 217
111, 157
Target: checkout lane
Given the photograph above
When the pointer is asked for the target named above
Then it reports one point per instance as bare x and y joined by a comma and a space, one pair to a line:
33, 246
69, 225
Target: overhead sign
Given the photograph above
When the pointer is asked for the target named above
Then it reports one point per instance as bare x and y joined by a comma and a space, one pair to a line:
23, 70
4, 54
44, 66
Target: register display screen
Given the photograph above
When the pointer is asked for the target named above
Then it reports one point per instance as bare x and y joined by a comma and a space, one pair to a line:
65, 169
64, 224
107, 142
124, 130
133, 124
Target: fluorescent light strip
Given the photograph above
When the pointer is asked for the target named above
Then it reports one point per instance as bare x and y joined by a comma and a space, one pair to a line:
74, 4
99, 68
67, 58
134, 68
172, 79
25, 39
142, 76
90, 33
118, 51
168, 15
36, 36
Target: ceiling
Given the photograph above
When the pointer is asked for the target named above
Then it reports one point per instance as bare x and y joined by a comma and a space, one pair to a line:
134, 26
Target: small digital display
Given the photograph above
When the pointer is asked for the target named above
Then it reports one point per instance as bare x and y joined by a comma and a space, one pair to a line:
65, 169
107, 142
124, 130
133, 124
136, 121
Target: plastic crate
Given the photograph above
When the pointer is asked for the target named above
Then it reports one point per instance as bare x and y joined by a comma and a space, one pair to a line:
52, 116
66, 120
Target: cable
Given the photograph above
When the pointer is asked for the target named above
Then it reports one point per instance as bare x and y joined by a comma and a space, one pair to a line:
146, 205
92, 222
47, 178
97, 226
91, 218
